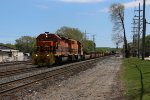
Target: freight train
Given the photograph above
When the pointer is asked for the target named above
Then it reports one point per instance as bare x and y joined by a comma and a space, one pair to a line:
53, 49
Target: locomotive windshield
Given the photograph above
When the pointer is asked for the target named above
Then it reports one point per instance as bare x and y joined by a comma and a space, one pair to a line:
44, 49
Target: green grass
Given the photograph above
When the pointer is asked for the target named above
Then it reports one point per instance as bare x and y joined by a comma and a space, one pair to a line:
136, 79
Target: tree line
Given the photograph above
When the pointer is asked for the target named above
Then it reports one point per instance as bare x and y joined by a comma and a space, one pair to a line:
134, 47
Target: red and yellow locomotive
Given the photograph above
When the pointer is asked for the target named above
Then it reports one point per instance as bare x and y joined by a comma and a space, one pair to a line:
54, 49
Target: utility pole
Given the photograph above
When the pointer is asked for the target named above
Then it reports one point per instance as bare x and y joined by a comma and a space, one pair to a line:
94, 42
134, 40
85, 39
85, 35
139, 31
144, 32
135, 35
138, 28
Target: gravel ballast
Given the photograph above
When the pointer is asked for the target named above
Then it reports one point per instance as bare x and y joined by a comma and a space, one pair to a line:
99, 83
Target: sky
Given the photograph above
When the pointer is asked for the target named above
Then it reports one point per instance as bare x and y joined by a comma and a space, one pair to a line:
32, 17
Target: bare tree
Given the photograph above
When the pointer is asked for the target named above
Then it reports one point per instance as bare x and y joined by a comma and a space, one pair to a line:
117, 38
117, 17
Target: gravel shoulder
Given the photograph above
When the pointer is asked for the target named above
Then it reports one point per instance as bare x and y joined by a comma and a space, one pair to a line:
99, 83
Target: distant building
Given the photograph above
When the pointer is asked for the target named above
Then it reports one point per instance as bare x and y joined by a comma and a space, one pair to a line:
8, 54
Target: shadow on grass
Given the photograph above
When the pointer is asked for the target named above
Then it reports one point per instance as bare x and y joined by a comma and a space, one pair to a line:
146, 73
141, 80
142, 85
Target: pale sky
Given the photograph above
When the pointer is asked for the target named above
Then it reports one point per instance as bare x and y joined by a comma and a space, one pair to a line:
32, 17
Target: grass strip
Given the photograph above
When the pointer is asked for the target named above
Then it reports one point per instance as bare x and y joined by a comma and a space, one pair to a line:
136, 77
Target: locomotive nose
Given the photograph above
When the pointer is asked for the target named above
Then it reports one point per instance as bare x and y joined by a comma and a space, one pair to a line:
44, 59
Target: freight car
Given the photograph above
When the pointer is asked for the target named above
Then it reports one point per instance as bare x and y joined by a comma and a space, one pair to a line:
51, 49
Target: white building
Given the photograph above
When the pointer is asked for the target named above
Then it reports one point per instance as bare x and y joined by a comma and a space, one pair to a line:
8, 54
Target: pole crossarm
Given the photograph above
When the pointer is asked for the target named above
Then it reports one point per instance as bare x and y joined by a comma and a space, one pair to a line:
147, 23
138, 19
138, 16
137, 27
138, 10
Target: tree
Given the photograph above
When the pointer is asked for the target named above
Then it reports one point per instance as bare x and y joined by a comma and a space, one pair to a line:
88, 45
69, 32
147, 45
25, 44
117, 17
117, 38
76, 34
105, 49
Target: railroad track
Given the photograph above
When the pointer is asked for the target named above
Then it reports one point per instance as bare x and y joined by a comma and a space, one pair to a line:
18, 71
16, 85
14, 63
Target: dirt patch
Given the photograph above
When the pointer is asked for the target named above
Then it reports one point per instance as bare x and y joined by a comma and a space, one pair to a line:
99, 83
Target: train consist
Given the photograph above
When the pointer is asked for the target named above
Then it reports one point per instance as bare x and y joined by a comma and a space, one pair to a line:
52, 49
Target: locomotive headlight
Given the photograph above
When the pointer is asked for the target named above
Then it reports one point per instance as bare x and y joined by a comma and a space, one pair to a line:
36, 55
47, 55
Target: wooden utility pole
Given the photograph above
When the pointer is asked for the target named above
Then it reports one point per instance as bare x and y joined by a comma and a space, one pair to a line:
139, 24
138, 29
134, 39
85, 34
144, 32
94, 42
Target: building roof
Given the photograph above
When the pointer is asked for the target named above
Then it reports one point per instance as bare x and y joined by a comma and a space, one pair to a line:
7, 49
